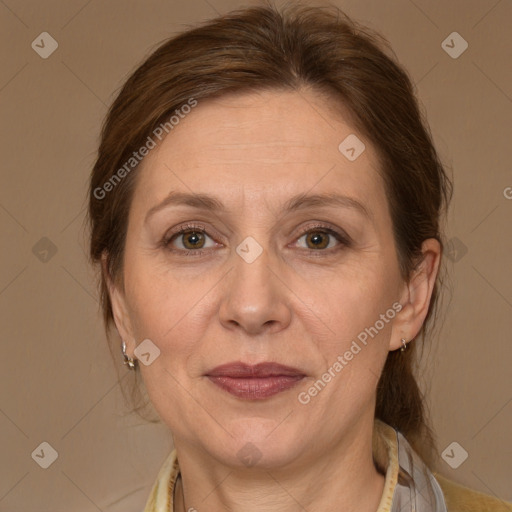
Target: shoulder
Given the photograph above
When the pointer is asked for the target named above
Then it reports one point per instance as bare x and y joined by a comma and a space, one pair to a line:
462, 499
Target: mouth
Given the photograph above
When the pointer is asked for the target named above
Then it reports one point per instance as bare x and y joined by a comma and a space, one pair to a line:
255, 382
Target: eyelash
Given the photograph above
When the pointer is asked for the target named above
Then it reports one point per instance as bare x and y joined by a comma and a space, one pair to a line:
320, 228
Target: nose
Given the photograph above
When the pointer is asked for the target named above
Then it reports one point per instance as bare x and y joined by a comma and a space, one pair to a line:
255, 299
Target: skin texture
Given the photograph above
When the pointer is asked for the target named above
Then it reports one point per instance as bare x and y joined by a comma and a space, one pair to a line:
295, 304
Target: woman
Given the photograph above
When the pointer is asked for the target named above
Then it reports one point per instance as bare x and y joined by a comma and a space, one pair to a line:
265, 209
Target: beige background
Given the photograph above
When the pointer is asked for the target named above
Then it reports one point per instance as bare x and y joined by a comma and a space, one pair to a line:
58, 382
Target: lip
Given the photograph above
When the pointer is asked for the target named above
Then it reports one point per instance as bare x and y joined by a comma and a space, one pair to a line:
254, 382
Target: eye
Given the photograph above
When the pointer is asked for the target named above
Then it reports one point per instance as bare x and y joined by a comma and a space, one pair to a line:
189, 239
193, 240
320, 238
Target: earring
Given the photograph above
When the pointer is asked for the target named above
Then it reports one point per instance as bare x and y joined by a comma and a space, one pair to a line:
127, 360
404, 343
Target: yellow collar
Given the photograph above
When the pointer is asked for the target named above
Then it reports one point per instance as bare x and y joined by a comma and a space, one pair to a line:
385, 454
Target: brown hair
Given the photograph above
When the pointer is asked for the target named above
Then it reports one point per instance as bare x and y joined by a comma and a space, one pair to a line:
289, 48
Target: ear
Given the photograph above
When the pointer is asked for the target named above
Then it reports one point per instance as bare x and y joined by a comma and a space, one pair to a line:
416, 294
119, 309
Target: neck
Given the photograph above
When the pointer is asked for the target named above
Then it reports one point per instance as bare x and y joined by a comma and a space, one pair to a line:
344, 477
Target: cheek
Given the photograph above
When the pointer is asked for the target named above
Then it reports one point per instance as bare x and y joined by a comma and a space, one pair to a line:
357, 312
353, 355
171, 312
355, 296
160, 314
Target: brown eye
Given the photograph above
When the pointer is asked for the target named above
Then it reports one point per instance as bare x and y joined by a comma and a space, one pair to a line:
317, 240
193, 239
189, 239
321, 238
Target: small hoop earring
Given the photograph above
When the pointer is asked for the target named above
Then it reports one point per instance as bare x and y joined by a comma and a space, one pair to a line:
404, 345
127, 360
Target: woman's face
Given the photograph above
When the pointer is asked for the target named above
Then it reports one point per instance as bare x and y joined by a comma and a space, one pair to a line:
263, 273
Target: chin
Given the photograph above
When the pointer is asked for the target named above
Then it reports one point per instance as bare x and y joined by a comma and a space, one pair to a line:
262, 443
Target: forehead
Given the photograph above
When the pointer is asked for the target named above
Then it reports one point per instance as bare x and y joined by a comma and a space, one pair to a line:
266, 145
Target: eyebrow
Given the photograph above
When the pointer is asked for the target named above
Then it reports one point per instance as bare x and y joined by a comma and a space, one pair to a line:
299, 202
